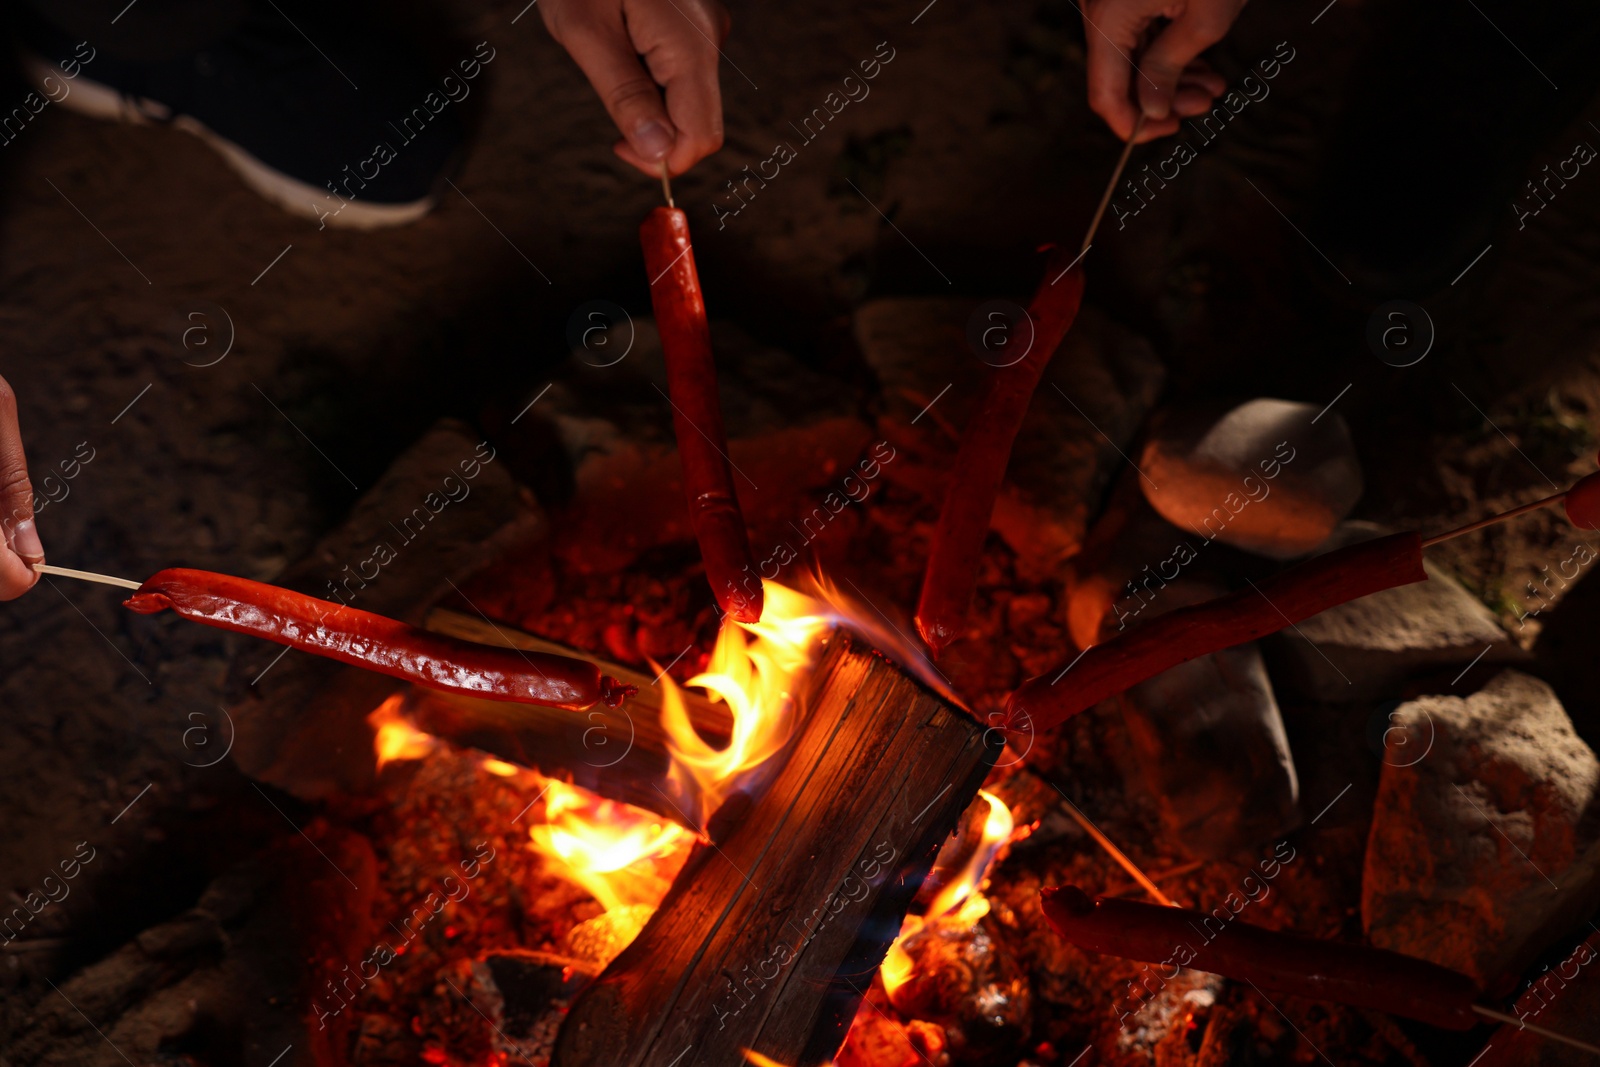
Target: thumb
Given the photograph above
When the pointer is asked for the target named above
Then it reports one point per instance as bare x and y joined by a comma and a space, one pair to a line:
16, 499
633, 99
1174, 48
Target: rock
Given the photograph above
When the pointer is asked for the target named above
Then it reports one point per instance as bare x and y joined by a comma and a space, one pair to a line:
1367, 647
1269, 476
1093, 399
1488, 846
1210, 740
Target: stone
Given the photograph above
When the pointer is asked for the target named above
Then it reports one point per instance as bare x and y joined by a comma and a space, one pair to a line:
1486, 847
1273, 477
1366, 648
1210, 741
1092, 401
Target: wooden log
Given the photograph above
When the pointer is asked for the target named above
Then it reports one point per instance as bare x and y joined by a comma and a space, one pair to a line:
768, 940
618, 753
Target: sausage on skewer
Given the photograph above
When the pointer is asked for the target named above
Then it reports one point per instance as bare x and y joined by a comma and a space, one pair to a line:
697, 414
1284, 963
376, 643
1187, 633
980, 463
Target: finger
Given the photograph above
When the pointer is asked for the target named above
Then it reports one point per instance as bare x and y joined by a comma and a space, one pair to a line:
1155, 129
1173, 50
1111, 35
605, 55
22, 545
681, 52
694, 103
1189, 101
1198, 89
1199, 75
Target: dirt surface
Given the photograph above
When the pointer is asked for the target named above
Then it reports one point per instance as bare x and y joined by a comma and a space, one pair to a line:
973, 147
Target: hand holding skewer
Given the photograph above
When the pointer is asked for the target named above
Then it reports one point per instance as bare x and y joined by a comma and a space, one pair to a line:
21, 546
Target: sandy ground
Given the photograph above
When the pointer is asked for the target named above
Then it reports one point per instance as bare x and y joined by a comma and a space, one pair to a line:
973, 147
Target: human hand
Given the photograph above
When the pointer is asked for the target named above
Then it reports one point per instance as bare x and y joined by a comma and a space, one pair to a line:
21, 546
678, 42
1172, 82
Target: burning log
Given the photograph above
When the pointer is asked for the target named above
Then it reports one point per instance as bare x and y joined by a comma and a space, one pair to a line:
768, 941
617, 753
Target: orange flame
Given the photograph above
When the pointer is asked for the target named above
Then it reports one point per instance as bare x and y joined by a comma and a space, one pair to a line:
753, 669
394, 737
626, 857
959, 902
613, 850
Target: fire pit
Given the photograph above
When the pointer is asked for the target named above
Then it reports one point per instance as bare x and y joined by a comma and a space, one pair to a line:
778, 851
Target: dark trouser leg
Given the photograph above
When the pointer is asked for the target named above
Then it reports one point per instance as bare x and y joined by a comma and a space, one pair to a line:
146, 30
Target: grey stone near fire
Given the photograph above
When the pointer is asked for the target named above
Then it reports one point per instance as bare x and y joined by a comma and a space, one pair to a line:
1269, 476
1485, 839
1093, 399
1211, 743
1368, 647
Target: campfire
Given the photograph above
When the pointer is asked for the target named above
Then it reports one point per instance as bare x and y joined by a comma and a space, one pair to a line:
585, 792
624, 859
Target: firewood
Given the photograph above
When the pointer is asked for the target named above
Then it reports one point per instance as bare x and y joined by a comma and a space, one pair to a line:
617, 753
768, 939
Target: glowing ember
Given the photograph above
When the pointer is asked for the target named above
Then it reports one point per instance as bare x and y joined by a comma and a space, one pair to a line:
959, 902
501, 769
394, 737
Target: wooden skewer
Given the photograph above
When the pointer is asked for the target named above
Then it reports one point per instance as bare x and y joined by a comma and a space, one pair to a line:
1500, 1016
1117, 854
87, 576
1111, 186
1492, 519
666, 184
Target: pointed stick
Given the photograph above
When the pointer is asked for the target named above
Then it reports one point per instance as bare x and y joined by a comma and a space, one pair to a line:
1492, 519
1500, 1016
87, 576
1117, 854
1111, 186
666, 184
